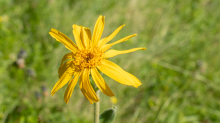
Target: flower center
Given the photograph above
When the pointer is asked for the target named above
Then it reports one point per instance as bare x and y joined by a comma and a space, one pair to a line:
87, 58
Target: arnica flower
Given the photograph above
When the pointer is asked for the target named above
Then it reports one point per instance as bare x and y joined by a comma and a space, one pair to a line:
87, 56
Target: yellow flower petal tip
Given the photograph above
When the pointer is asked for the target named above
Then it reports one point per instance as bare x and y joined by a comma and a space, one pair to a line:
74, 25
66, 101
136, 86
88, 56
52, 93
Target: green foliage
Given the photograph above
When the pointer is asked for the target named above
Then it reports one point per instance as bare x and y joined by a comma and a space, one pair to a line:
179, 70
108, 115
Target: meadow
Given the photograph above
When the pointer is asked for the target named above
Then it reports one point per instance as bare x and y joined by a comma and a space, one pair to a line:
179, 70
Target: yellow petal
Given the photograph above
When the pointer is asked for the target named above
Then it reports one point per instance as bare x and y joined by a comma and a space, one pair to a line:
86, 87
86, 37
85, 94
77, 32
66, 65
118, 74
71, 87
107, 46
88, 32
97, 33
103, 39
99, 81
61, 82
66, 57
109, 38
69, 44
112, 53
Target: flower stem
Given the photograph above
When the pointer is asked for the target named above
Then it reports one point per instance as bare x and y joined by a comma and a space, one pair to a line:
96, 109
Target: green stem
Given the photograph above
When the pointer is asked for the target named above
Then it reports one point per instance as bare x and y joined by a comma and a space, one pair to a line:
96, 109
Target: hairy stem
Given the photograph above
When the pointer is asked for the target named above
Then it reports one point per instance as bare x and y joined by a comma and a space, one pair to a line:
96, 109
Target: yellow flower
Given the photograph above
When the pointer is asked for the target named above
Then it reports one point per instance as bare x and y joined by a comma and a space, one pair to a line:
114, 100
87, 56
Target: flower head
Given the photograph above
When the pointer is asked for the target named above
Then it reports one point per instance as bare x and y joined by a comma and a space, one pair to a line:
87, 56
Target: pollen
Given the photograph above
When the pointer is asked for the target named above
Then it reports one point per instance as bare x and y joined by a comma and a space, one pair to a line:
87, 58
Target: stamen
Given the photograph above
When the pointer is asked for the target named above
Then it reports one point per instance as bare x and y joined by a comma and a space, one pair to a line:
87, 58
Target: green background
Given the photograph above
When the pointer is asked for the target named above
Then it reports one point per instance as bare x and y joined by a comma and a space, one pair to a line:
179, 71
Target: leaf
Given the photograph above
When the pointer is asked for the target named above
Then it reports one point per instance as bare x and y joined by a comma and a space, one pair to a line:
108, 115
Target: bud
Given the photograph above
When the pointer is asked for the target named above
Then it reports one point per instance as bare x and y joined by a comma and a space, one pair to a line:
113, 100
108, 115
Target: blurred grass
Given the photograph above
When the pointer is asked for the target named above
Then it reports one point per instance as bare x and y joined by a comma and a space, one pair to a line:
179, 71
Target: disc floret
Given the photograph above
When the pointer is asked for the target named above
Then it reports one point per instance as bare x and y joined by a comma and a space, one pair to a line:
87, 58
